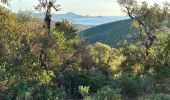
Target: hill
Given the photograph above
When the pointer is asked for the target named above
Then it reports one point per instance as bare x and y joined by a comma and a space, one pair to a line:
110, 33
81, 27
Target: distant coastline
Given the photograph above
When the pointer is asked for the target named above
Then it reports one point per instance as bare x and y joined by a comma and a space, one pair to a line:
84, 20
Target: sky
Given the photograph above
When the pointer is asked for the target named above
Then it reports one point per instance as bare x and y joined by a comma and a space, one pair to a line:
81, 7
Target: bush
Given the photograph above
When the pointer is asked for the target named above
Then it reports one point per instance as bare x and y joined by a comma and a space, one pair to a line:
106, 93
94, 79
131, 85
49, 92
162, 85
160, 96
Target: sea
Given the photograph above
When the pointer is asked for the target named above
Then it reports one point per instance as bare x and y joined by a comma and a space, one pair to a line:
98, 20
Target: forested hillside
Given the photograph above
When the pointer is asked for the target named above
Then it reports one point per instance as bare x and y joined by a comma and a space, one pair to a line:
40, 62
110, 33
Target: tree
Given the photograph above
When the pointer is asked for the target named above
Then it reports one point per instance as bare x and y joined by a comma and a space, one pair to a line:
46, 4
152, 19
67, 28
20, 45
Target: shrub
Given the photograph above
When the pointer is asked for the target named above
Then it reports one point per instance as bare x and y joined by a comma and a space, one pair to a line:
106, 93
130, 85
160, 96
162, 85
95, 80
49, 92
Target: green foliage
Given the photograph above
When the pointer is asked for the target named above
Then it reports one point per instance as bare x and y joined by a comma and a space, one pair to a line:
49, 91
84, 91
67, 28
71, 68
106, 93
133, 85
19, 61
162, 85
94, 79
130, 85
160, 96
149, 19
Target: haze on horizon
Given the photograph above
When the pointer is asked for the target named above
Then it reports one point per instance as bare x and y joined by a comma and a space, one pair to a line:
81, 7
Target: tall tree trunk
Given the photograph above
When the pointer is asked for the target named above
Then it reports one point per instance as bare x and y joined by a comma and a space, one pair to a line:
47, 24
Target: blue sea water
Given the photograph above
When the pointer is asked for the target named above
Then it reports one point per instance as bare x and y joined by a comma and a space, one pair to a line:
84, 20
98, 20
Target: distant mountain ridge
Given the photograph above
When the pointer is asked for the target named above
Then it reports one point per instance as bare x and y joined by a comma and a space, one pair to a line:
68, 16
84, 20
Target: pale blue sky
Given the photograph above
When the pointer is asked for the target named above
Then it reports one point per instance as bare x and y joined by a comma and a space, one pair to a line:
83, 7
